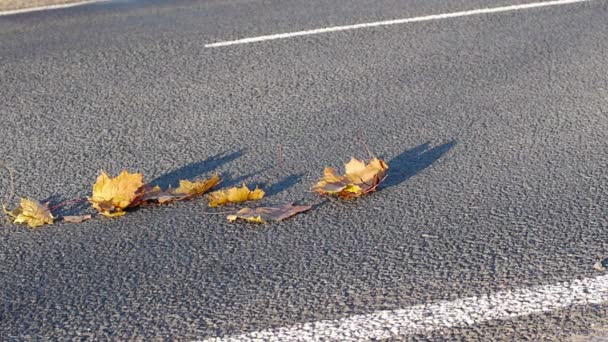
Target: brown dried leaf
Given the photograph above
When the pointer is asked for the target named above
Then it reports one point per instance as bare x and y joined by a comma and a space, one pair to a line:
265, 214
77, 219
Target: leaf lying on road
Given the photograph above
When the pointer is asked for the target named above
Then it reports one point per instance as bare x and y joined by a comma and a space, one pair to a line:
31, 212
186, 190
359, 179
77, 219
265, 214
190, 189
234, 195
111, 196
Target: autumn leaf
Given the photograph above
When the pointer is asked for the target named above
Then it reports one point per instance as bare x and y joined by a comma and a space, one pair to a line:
265, 214
234, 195
187, 189
31, 212
77, 219
111, 196
359, 179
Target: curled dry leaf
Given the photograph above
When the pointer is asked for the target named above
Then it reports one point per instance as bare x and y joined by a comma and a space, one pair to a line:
359, 179
31, 212
111, 196
187, 189
265, 214
77, 219
234, 195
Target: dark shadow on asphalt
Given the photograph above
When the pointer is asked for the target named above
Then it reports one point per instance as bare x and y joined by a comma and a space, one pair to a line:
229, 181
194, 170
66, 207
78, 208
53, 200
410, 162
283, 184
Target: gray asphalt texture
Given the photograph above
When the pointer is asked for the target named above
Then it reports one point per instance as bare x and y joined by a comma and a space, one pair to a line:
495, 129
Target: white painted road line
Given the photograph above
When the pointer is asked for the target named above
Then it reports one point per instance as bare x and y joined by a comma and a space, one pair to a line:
425, 318
396, 22
50, 7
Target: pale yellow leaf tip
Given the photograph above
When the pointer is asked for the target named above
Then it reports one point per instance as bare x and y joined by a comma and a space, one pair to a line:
30, 212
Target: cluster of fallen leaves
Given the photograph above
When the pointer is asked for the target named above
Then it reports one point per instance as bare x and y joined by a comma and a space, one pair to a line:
114, 196
360, 179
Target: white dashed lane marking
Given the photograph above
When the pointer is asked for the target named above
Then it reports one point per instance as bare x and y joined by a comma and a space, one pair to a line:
396, 22
49, 7
447, 314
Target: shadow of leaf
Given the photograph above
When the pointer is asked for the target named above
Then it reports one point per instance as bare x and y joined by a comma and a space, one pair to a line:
194, 170
52, 200
283, 184
412, 161
72, 207
229, 181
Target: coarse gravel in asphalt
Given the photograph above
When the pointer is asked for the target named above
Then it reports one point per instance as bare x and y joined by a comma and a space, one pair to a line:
494, 127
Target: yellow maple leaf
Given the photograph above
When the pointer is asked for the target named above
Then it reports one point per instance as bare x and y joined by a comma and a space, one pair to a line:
31, 212
265, 214
111, 196
234, 195
359, 179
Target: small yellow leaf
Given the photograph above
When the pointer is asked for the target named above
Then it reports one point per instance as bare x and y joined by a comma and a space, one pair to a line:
234, 195
265, 214
31, 212
111, 196
256, 219
190, 189
359, 179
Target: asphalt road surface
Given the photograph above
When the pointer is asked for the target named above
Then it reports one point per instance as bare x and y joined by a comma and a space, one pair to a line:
495, 128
